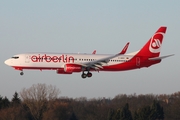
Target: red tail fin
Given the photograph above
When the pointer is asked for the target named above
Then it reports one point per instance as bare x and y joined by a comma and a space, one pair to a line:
153, 46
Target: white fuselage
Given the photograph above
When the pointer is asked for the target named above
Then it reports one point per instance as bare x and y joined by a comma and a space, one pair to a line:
58, 60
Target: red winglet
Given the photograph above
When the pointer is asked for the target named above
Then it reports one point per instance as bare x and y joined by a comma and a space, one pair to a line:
124, 49
94, 52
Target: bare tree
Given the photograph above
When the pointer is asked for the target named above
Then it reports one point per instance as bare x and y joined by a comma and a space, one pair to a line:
36, 98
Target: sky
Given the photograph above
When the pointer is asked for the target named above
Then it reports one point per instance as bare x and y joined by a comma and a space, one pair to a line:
84, 26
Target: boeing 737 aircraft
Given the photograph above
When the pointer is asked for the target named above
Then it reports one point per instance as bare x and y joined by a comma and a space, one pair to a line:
66, 63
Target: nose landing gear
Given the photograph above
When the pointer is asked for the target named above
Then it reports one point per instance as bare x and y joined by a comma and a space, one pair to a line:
21, 73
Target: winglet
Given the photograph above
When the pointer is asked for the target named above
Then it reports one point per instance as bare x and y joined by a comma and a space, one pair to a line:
124, 49
94, 52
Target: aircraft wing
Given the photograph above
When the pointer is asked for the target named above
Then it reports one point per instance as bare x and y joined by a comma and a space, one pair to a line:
97, 64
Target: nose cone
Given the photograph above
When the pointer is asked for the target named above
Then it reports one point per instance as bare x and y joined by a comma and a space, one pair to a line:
7, 62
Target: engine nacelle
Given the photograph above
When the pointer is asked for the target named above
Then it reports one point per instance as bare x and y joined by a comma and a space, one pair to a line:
72, 68
61, 71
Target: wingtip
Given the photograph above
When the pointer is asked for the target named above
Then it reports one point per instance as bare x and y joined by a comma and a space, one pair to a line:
94, 52
125, 48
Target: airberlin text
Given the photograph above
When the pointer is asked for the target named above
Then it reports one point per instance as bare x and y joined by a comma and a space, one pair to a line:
55, 59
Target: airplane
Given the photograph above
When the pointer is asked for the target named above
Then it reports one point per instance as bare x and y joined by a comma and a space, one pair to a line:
66, 63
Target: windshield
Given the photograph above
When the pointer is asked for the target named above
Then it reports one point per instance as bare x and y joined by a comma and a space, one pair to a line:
15, 57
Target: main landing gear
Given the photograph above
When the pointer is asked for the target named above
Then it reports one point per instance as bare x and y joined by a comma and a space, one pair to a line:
84, 75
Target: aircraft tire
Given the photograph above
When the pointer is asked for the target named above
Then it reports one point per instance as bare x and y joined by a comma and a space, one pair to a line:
21, 73
83, 75
89, 74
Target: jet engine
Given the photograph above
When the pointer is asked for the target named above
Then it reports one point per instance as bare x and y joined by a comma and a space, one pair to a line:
61, 71
72, 68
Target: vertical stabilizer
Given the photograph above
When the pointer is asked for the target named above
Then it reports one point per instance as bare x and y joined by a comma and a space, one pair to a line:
153, 46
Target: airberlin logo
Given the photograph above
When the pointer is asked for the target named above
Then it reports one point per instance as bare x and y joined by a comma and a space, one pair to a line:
155, 43
55, 59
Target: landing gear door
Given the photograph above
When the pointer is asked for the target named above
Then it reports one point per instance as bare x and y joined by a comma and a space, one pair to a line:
27, 59
138, 61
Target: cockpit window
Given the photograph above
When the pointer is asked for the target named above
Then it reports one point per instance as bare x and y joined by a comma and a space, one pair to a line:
15, 57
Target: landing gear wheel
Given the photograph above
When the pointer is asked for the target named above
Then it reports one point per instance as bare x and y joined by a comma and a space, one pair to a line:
83, 75
89, 74
21, 73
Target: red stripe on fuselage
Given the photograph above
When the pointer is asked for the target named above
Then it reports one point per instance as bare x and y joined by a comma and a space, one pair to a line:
134, 63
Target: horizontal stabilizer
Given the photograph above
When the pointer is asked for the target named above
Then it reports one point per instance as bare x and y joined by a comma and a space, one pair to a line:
162, 57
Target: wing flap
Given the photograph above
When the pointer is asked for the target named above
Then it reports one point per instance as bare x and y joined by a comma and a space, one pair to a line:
98, 66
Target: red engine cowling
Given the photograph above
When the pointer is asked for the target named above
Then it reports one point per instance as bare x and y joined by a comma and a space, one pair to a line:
61, 71
72, 68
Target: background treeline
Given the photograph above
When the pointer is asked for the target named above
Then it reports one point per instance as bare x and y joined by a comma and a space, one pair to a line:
41, 102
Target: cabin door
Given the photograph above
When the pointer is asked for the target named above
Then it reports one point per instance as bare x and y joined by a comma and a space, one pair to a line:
138, 62
27, 58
